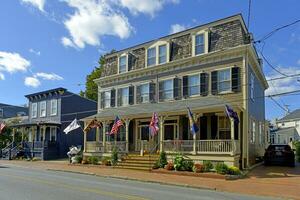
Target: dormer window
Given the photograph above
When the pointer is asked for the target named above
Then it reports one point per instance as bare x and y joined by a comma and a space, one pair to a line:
199, 44
43, 109
162, 51
34, 110
151, 56
122, 64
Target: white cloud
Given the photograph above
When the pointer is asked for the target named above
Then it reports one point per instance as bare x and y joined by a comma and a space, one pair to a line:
39, 4
32, 82
13, 62
149, 7
2, 77
298, 62
38, 53
177, 28
285, 84
49, 76
91, 20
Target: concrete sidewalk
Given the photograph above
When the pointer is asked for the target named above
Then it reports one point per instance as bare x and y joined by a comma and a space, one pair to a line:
280, 182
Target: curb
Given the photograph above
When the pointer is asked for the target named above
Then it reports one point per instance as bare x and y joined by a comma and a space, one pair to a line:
134, 179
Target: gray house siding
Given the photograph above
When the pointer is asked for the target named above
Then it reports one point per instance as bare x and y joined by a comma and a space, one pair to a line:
55, 118
10, 111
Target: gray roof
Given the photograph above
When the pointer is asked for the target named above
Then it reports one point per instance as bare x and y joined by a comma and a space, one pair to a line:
10, 111
293, 115
175, 107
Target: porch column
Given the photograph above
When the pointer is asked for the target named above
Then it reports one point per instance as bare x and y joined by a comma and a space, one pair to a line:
232, 135
97, 134
14, 132
22, 132
84, 138
127, 121
161, 132
104, 134
44, 133
196, 117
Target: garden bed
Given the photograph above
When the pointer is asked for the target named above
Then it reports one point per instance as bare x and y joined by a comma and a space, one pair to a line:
186, 173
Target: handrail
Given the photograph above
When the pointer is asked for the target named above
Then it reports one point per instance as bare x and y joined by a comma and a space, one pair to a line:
151, 152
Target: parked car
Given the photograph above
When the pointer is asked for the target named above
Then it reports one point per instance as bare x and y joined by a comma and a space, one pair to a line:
279, 155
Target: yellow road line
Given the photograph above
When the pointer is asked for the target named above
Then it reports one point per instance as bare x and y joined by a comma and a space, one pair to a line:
82, 189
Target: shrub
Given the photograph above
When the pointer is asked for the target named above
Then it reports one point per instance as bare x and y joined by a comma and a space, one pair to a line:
93, 160
221, 168
169, 166
207, 166
36, 159
78, 158
114, 157
198, 168
106, 161
162, 161
234, 171
156, 165
179, 163
188, 165
297, 146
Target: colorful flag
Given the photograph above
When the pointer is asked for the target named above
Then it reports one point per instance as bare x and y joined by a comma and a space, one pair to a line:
153, 127
2, 126
193, 126
230, 113
74, 125
117, 124
93, 124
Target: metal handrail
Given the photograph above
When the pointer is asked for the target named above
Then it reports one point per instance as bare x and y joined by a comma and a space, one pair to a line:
151, 152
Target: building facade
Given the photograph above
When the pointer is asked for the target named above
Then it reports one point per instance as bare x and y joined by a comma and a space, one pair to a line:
203, 68
8, 112
50, 112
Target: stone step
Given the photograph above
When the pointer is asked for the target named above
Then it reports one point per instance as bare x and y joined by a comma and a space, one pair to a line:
134, 168
136, 164
139, 161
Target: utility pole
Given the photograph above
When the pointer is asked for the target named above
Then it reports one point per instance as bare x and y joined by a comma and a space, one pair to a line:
287, 109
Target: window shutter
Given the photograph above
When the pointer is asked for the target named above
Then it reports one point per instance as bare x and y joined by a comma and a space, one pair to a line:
176, 88
102, 100
235, 79
138, 94
152, 92
119, 97
203, 84
113, 98
130, 61
185, 86
131, 95
214, 82
160, 88
171, 51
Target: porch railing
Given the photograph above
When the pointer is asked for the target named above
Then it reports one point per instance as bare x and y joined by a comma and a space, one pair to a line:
120, 145
215, 146
94, 146
178, 145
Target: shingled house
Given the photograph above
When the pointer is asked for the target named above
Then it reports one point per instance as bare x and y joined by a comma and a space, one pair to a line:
204, 68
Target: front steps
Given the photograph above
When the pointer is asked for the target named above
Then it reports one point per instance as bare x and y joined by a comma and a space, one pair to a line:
137, 162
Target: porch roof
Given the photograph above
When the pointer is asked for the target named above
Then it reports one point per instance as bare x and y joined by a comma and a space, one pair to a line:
29, 124
169, 108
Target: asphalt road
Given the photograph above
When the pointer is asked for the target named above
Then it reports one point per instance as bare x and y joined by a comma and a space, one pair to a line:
17, 183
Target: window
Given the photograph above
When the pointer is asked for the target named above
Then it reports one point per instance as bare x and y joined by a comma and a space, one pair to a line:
34, 110
252, 87
43, 109
107, 97
260, 134
194, 85
199, 44
53, 109
166, 90
124, 96
253, 130
224, 80
1, 113
122, 64
52, 134
224, 127
151, 56
162, 54
144, 90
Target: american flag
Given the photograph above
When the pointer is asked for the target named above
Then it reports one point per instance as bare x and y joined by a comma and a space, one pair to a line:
93, 124
153, 127
117, 124
2, 126
232, 114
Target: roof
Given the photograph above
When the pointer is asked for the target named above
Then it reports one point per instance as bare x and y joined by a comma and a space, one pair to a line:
46, 91
10, 111
164, 107
27, 123
291, 116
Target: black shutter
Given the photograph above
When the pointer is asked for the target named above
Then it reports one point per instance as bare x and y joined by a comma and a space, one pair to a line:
203, 84
171, 51
102, 100
119, 97
113, 98
176, 88
152, 91
138, 94
131, 95
214, 82
235, 79
185, 86
130, 61
161, 94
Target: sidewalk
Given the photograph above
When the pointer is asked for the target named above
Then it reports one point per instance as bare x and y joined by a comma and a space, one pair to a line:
263, 181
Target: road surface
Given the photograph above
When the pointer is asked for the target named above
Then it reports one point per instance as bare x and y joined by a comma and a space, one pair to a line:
18, 183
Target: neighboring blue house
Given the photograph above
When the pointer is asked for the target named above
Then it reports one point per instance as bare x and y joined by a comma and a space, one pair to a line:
10, 111
50, 112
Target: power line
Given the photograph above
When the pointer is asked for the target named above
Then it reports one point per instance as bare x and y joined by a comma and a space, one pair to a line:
274, 68
278, 104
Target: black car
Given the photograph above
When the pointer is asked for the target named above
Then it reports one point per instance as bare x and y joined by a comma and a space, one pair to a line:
278, 154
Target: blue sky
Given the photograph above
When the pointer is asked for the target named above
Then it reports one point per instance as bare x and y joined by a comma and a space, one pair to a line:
53, 43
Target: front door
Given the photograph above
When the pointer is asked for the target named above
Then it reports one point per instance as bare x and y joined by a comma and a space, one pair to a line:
146, 140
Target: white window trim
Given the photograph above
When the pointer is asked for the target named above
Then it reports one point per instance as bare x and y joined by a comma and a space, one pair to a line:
195, 95
121, 88
252, 82
230, 90
156, 45
56, 101
105, 98
55, 133
119, 57
146, 83
205, 34
40, 113
36, 110
155, 63
166, 79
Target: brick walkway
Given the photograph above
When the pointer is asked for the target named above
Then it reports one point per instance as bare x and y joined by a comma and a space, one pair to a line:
263, 181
